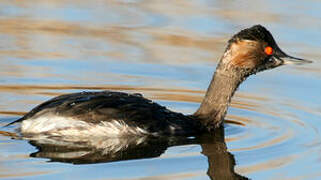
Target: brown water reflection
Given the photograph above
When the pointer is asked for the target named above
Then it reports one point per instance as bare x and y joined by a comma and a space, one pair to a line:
157, 48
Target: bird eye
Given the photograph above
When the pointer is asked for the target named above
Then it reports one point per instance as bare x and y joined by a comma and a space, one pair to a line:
268, 50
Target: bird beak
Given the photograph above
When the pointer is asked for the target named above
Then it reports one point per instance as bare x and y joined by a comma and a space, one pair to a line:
293, 60
286, 59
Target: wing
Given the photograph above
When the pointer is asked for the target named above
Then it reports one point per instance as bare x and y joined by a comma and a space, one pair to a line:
77, 104
132, 109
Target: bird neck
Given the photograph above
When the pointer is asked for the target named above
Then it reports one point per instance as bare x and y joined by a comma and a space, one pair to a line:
214, 106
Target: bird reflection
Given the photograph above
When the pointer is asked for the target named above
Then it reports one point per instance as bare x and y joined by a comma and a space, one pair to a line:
220, 162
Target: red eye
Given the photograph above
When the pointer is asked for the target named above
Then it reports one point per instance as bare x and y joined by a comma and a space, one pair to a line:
268, 50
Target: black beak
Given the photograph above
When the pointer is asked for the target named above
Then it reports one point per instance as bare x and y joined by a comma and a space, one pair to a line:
286, 59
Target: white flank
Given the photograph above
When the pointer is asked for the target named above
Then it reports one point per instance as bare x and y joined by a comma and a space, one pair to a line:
67, 126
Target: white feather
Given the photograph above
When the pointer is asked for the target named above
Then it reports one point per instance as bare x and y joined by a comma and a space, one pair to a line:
67, 126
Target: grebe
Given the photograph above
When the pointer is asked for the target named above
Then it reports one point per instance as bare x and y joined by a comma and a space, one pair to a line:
107, 113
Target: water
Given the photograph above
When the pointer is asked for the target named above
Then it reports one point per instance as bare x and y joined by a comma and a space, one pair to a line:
166, 50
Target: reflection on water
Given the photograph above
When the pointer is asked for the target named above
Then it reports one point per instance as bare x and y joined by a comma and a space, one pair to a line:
101, 150
166, 50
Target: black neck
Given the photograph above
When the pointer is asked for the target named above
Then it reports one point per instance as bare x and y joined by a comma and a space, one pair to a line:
218, 96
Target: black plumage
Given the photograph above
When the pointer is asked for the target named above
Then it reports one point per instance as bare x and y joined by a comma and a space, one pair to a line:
133, 109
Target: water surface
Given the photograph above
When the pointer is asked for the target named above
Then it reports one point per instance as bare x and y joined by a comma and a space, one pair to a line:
167, 50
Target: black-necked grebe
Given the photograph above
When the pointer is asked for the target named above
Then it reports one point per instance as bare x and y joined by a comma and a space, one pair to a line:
109, 113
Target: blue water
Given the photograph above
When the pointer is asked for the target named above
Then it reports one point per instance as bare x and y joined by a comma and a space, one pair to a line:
168, 51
